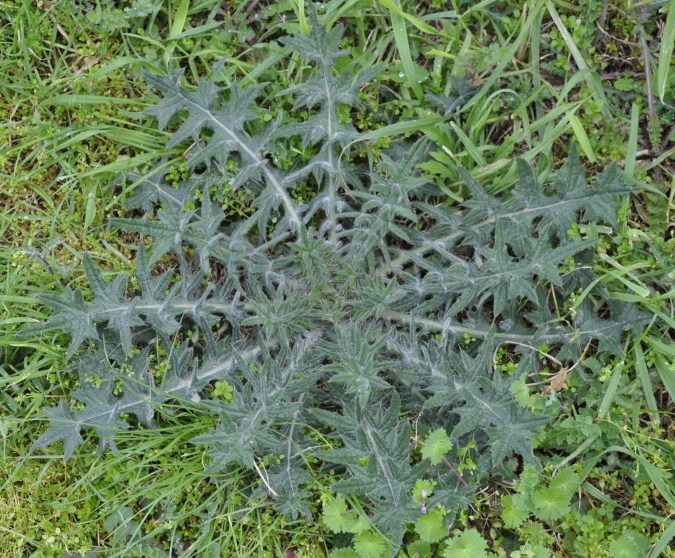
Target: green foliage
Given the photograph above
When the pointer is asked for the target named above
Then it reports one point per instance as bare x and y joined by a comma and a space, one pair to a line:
64, 126
548, 503
343, 313
339, 519
431, 526
418, 549
370, 545
531, 551
39, 521
468, 544
344, 553
436, 445
223, 390
515, 510
335, 516
630, 545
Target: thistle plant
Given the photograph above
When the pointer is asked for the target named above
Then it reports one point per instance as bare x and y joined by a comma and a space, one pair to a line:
355, 332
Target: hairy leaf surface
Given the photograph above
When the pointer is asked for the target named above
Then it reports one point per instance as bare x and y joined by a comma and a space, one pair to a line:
349, 326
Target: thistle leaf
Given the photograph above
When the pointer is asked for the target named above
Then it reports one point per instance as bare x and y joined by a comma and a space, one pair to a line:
345, 311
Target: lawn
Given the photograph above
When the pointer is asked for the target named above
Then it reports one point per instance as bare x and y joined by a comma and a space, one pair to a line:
353, 279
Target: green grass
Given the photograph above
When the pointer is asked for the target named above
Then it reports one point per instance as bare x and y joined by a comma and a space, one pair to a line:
538, 78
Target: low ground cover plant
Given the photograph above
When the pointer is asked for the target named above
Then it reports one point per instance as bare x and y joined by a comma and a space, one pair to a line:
353, 332
327, 327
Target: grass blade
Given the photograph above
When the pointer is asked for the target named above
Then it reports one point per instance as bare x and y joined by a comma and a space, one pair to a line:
599, 495
468, 145
592, 78
393, 7
404, 127
666, 52
665, 538
508, 55
195, 31
403, 47
177, 24
68, 100
666, 373
299, 8
654, 473
645, 380
90, 211
661, 348
634, 284
179, 19
611, 391
631, 149
582, 138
